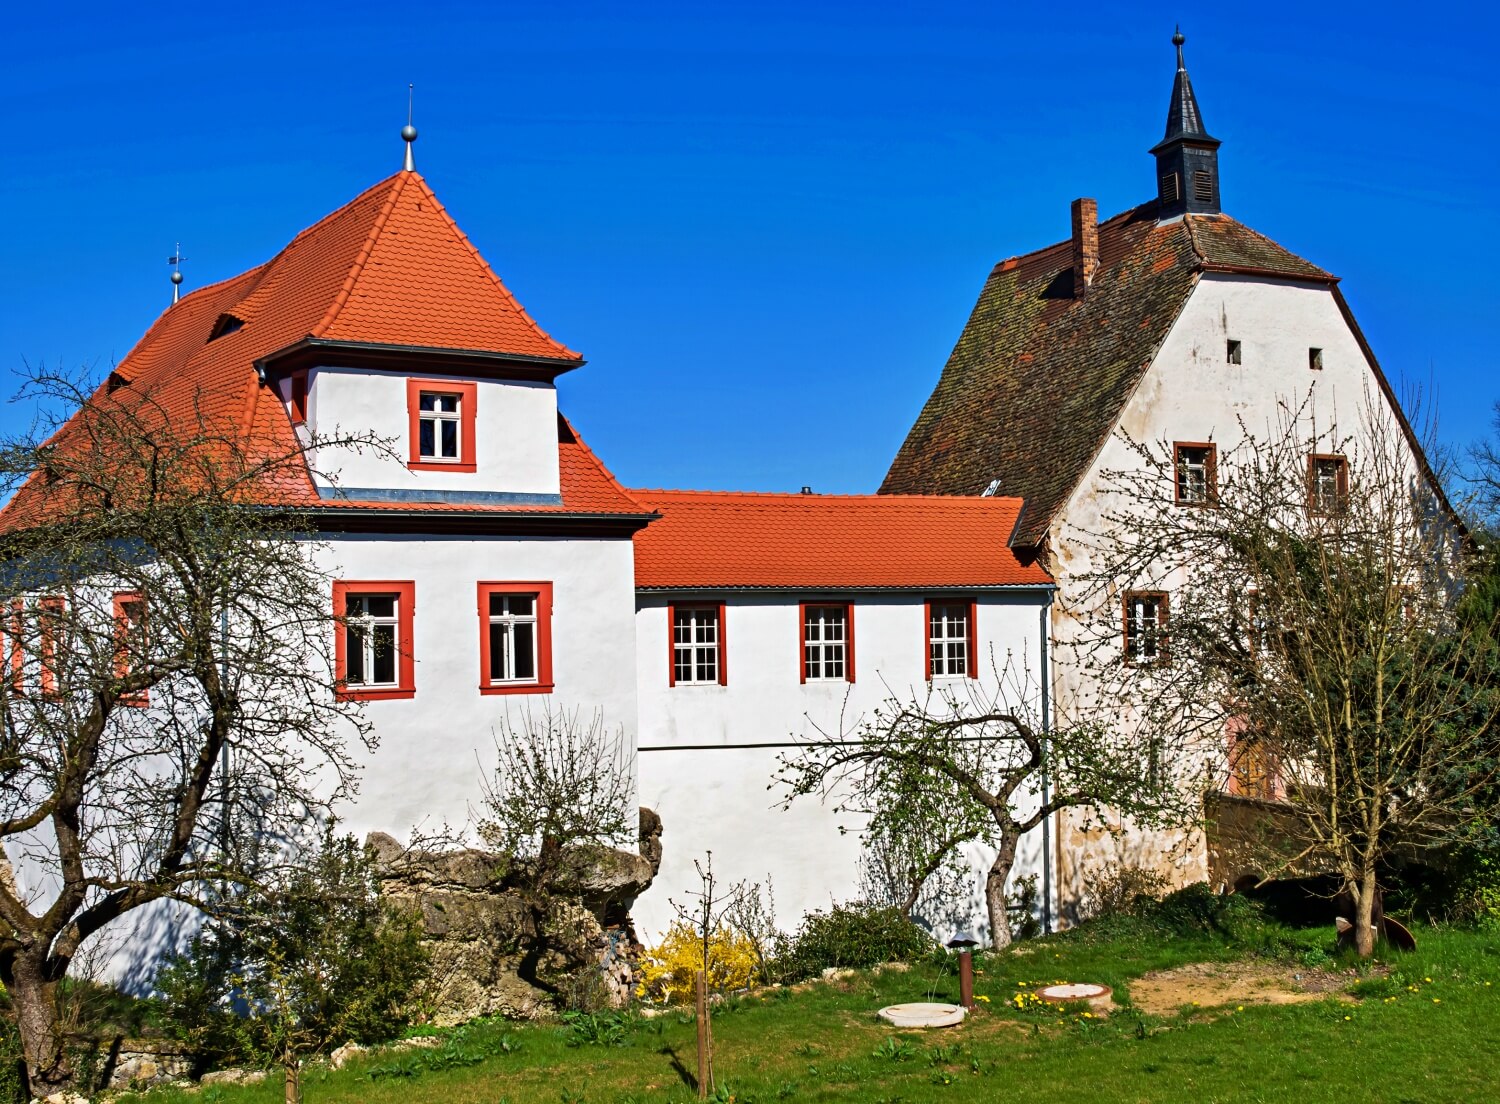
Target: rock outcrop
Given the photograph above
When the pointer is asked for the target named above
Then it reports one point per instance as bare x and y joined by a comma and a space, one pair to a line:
500, 946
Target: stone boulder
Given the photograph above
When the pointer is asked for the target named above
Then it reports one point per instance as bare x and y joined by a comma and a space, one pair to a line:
498, 948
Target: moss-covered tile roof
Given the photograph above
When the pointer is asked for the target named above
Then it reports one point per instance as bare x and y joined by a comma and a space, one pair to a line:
1039, 377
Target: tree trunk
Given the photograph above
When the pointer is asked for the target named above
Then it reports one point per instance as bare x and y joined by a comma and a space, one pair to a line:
293, 1067
38, 1020
1364, 913
994, 892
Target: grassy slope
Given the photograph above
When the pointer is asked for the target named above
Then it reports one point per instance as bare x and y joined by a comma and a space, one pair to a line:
819, 1044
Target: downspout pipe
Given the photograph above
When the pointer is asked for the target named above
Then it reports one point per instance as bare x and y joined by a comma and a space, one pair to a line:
1045, 619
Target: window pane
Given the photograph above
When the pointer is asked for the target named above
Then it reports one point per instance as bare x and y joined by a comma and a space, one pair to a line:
425, 438
525, 641
448, 403
498, 642
450, 439
428, 401
381, 605
354, 654
384, 665
522, 605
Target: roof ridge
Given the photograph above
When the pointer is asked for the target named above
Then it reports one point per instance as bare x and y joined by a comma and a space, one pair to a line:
798, 496
592, 455
484, 266
358, 267
1016, 259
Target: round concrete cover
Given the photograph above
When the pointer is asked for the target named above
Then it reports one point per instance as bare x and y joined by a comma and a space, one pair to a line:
923, 1015
1098, 996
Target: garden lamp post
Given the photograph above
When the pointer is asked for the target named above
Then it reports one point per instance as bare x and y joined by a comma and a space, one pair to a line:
964, 943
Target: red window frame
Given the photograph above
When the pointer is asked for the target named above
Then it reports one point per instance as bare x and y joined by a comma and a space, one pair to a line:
1211, 474
467, 391
121, 601
971, 660
718, 608
406, 673
1163, 622
297, 398
543, 592
1341, 485
50, 607
802, 639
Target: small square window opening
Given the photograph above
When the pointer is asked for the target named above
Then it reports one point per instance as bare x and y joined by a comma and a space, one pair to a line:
1232, 352
1315, 359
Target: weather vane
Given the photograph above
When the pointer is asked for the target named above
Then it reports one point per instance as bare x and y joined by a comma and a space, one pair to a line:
175, 260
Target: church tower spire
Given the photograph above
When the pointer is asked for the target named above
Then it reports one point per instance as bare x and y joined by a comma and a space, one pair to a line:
1187, 158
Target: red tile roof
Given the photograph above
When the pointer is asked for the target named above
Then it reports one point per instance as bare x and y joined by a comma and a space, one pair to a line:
388, 268
718, 539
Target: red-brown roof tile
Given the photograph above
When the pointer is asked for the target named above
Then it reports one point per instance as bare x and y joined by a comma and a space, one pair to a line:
388, 268
717, 539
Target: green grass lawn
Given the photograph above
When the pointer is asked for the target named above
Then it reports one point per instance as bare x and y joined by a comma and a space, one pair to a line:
1426, 1032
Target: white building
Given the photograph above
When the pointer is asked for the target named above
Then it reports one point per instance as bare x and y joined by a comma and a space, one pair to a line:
493, 566
1170, 323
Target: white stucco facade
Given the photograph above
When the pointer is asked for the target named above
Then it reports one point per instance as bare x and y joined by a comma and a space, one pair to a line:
514, 420
436, 747
1193, 393
713, 792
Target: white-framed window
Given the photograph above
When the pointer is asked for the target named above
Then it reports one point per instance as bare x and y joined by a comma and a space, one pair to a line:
696, 639
512, 631
439, 426
1196, 474
825, 643
1145, 628
372, 640
1327, 484
948, 639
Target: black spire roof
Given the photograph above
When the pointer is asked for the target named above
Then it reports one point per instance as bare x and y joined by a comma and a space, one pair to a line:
1184, 119
1187, 158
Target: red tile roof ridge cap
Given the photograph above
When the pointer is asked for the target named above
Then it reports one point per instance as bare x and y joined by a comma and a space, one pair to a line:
890, 499
592, 455
490, 272
365, 249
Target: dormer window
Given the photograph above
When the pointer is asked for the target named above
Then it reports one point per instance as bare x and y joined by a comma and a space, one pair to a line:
226, 324
441, 415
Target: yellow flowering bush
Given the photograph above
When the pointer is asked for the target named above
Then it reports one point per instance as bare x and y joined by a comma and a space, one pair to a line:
667, 970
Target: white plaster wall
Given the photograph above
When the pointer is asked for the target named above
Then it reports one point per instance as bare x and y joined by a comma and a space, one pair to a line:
719, 799
436, 748
515, 432
1191, 393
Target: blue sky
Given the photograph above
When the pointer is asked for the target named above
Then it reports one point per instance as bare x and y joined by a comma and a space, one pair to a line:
765, 224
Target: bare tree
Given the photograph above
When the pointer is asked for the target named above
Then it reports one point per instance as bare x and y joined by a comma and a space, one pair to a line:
941, 771
167, 710
1302, 623
562, 789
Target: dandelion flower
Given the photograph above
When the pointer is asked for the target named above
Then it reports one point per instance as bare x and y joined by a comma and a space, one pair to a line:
984, 998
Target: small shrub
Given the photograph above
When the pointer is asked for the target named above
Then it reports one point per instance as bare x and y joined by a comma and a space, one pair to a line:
851, 935
1120, 890
598, 1028
1476, 895
667, 972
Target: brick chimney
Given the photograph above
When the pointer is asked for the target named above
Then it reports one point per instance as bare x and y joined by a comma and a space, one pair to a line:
1085, 245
